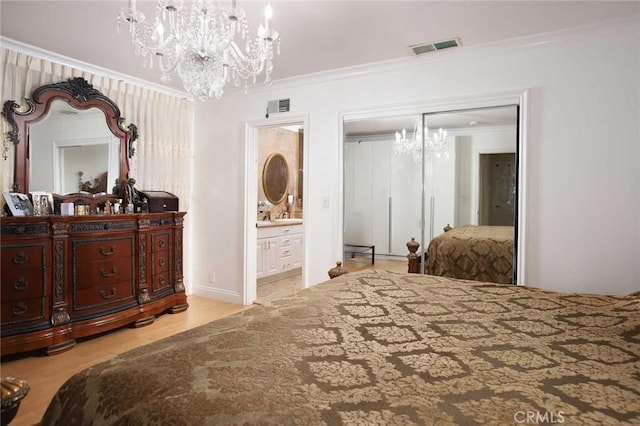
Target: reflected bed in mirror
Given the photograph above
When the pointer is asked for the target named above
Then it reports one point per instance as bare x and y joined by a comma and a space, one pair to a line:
78, 141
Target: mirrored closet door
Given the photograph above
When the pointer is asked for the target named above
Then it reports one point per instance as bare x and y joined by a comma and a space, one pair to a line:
415, 175
381, 182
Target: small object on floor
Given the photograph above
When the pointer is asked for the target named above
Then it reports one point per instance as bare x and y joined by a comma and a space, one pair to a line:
337, 270
13, 391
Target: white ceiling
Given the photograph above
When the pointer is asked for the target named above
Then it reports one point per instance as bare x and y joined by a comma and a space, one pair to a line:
316, 35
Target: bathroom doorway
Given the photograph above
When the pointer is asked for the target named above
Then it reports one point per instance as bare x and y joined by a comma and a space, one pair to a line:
279, 214
275, 209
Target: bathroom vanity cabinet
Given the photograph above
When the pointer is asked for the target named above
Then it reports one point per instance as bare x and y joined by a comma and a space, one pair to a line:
280, 248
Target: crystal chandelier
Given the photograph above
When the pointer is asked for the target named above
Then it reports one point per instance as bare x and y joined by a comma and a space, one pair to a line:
435, 143
206, 43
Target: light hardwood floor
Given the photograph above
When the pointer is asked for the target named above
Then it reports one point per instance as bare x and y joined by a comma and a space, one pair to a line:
360, 262
45, 374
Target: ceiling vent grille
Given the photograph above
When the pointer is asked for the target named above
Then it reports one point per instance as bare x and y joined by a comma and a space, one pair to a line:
280, 105
421, 49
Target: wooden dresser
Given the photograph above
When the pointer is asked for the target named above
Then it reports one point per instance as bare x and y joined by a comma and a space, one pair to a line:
66, 277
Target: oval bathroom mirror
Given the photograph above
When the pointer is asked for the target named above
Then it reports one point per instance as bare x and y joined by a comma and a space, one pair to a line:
275, 178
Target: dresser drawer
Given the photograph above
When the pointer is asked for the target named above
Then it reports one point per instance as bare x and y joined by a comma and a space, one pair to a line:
23, 256
23, 311
160, 282
102, 249
285, 241
103, 273
23, 283
285, 252
160, 262
160, 241
102, 295
286, 230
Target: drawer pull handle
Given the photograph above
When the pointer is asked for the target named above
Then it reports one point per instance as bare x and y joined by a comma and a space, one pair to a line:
19, 309
104, 294
161, 261
161, 243
20, 258
161, 280
104, 252
21, 284
108, 274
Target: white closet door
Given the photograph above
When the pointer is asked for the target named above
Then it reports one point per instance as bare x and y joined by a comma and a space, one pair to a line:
406, 187
358, 207
443, 188
381, 191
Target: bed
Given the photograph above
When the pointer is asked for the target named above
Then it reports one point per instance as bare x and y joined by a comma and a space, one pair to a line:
479, 253
378, 347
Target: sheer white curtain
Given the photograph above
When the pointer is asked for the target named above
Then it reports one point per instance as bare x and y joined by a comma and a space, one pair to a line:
163, 149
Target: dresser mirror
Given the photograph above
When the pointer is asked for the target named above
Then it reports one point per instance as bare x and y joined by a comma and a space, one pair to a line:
69, 139
275, 178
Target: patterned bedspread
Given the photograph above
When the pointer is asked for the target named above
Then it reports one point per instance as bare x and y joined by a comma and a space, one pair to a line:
479, 253
376, 348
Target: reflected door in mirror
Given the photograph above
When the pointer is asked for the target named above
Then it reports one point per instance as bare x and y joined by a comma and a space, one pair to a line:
70, 148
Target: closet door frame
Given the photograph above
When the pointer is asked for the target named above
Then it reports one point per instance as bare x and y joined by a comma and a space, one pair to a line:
521, 98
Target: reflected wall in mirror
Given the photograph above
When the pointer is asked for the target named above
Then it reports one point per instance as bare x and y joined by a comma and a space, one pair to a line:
70, 138
470, 171
275, 178
73, 151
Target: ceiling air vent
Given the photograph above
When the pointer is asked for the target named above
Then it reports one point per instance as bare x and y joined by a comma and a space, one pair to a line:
420, 49
280, 105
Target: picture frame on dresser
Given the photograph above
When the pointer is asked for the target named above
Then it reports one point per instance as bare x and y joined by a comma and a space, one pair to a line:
42, 203
18, 204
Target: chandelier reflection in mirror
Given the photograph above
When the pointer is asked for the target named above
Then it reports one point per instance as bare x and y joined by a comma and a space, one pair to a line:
436, 143
206, 43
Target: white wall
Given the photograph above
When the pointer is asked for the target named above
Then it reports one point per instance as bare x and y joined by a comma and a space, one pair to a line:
583, 195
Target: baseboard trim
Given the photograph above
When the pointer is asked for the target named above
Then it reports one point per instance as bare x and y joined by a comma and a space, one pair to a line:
217, 294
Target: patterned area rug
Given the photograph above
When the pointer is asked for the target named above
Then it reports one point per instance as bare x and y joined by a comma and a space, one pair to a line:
381, 348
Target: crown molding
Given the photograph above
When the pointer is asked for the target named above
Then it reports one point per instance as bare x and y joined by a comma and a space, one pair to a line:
630, 26
609, 28
28, 49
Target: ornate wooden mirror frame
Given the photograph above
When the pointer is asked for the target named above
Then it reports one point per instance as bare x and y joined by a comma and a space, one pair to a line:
79, 94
